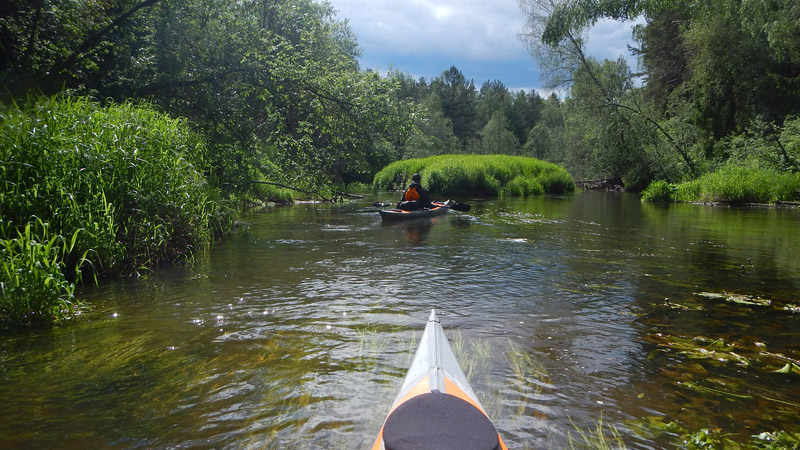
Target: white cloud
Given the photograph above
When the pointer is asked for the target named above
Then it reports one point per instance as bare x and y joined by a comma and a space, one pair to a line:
425, 37
471, 29
609, 39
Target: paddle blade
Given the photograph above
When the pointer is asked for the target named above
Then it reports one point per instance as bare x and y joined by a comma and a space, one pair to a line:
459, 206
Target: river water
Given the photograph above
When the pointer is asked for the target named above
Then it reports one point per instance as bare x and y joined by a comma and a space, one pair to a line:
296, 332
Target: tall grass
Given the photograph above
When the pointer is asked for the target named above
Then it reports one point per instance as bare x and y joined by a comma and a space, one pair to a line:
730, 184
125, 179
478, 175
33, 286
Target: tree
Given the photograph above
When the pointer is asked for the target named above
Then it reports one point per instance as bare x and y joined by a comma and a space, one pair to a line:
555, 36
526, 110
457, 99
274, 85
545, 139
492, 97
496, 138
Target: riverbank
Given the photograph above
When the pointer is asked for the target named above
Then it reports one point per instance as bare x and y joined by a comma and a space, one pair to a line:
730, 185
93, 190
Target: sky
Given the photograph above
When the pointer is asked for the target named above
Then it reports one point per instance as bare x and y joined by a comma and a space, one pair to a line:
480, 37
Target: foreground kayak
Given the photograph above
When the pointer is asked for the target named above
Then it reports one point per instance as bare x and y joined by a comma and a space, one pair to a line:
398, 214
436, 408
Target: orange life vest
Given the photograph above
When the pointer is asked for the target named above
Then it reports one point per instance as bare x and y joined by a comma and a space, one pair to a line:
411, 194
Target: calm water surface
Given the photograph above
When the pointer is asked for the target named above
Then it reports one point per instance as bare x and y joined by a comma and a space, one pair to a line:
297, 333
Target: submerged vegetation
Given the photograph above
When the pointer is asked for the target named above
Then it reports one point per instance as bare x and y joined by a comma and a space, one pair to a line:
463, 175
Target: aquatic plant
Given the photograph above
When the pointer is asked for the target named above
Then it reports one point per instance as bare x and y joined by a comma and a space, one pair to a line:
741, 299
602, 437
653, 427
33, 286
478, 175
123, 182
732, 185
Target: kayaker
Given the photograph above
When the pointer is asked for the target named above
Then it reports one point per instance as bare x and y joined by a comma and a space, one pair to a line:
415, 196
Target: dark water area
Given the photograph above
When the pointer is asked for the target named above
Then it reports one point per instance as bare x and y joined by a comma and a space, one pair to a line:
296, 333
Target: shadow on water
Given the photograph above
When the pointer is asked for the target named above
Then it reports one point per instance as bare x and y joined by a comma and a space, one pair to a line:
563, 311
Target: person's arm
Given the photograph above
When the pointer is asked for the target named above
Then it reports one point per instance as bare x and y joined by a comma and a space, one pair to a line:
402, 198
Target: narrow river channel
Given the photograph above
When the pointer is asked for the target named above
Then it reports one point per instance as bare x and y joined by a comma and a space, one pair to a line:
297, 332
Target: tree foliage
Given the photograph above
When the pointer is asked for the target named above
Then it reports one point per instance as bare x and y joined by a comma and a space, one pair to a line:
712, 70
274, 86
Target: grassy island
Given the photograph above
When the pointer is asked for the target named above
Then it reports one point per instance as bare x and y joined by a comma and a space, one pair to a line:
478, 175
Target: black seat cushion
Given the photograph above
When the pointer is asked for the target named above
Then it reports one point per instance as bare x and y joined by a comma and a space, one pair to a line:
437, 421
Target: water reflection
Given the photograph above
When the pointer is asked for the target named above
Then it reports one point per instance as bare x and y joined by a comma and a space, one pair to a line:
414, 231
297, 333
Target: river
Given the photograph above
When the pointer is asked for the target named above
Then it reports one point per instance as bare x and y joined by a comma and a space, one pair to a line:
296, 332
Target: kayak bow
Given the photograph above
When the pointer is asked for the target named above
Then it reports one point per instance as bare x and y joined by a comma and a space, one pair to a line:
436, 408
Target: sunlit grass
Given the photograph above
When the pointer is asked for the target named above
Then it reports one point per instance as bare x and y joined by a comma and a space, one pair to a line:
124, 182
730, 184
33, 285
478, 175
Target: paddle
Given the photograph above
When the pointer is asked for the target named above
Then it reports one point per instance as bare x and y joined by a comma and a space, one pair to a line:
449, 204
459, 206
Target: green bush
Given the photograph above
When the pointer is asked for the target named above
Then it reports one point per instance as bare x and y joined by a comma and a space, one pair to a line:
689, 191
523, 187
659, 191
478, 175
260, 193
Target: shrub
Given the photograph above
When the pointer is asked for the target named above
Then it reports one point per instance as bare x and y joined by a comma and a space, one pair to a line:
659, 191
523, 187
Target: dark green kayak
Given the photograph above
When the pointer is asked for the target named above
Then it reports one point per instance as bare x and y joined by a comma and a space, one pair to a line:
398, 214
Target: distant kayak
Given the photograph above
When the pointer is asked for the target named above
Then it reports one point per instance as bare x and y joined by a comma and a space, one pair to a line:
399, 214
436, 408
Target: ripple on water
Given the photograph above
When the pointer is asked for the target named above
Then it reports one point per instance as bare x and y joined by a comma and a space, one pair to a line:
298, 333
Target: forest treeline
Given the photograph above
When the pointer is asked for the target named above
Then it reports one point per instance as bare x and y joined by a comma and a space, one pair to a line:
236, 97
275, 87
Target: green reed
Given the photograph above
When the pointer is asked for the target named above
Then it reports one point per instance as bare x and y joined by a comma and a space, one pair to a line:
125, 177
33, 287
482, 175
730, 184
